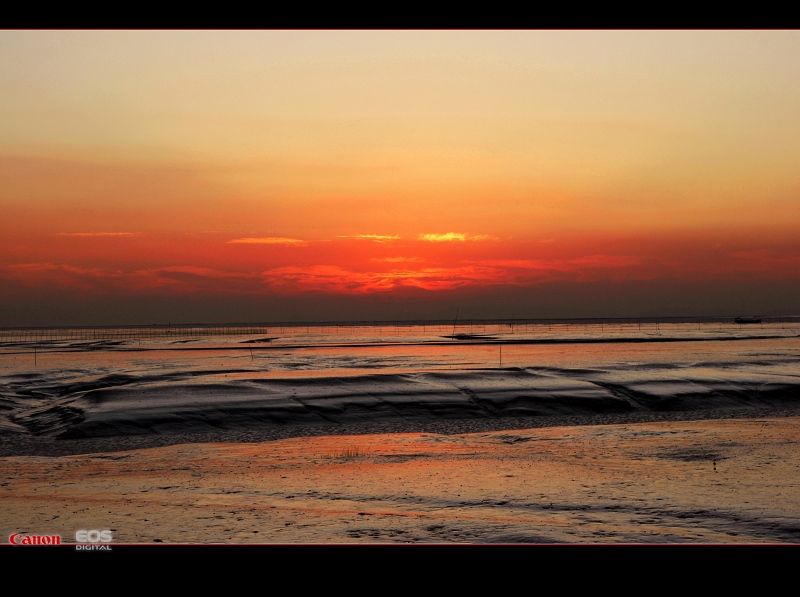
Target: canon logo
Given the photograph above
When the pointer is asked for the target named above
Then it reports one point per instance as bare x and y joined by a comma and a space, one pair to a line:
23, 539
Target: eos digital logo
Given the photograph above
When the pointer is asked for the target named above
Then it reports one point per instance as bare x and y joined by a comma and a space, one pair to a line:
90, 540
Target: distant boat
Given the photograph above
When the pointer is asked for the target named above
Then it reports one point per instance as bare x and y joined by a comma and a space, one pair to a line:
747, 320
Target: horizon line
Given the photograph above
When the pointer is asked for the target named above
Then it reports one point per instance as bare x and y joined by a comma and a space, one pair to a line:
412, 322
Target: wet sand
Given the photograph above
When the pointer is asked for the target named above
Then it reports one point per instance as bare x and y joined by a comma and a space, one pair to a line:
711, 481
669, 442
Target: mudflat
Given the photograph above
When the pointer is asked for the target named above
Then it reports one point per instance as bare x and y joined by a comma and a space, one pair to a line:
682, 433
701, 481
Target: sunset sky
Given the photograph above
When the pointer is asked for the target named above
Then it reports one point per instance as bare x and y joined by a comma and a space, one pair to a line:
247, 176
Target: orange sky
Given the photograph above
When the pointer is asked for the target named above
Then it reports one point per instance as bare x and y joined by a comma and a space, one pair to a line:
205, 166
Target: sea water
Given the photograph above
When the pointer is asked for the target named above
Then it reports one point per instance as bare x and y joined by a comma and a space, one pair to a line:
294, 350
120, 380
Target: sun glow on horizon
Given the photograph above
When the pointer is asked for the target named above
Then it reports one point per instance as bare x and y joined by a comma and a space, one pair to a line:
452, 236
268, 241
